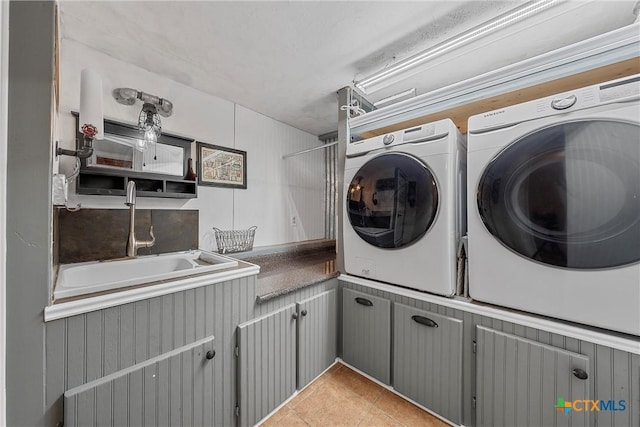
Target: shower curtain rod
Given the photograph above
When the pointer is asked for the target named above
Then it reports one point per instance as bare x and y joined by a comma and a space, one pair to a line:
310, 150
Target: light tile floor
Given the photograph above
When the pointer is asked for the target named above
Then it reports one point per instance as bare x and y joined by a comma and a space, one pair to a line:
342, 397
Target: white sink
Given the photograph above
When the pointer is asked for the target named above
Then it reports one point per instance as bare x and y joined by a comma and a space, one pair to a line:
88, 277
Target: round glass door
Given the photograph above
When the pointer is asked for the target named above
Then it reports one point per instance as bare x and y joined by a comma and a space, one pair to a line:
567, 195
392, 200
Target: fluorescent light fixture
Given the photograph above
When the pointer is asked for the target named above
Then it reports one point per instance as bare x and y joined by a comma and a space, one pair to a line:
389, 99
412, 65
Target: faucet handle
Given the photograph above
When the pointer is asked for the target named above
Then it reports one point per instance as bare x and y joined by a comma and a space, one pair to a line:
153, 237
147, 243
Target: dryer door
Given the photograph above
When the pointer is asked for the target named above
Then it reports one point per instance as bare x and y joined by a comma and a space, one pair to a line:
567, 195
392, 200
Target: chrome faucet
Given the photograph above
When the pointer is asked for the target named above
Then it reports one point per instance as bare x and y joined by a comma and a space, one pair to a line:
132, 243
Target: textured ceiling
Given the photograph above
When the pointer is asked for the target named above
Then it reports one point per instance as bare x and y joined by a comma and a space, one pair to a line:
287, 59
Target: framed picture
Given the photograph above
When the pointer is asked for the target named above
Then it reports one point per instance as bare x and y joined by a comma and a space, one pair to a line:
221, 166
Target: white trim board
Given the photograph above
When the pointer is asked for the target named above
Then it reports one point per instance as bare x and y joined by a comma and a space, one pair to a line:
624, 343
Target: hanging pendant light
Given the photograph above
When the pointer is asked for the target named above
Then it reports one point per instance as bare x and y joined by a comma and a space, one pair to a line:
149, 123
149, 118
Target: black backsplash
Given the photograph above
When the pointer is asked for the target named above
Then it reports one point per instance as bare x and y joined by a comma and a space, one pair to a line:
101, 234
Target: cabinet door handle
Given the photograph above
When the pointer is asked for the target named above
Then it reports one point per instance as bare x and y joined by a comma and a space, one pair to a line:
303, 312
211, 354
580, 374
364, 301
295, 316
424, 321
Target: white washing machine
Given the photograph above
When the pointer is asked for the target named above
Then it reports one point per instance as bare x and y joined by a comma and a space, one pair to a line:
404, 212
554, 206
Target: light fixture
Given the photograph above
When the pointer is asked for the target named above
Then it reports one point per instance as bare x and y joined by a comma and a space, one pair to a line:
149, 123
414, 64
393, 98
149, 118
91, 122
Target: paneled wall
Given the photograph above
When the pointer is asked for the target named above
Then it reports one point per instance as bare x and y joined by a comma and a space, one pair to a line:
28, 202
286, 197
278, 189
614, 374
85, 347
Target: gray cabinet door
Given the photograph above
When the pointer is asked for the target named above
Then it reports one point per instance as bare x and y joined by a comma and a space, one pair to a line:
427, 360
521, 382
366, 334
317, 335
266, 364
175, 388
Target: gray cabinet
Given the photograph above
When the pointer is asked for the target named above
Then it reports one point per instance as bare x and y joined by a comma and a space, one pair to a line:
520, 382
427, 360
366, 333
89, 346
514, 373
175, 388
282, 350
266, 364
317, 335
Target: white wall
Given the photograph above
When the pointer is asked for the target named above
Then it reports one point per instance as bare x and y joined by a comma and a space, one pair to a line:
277, 189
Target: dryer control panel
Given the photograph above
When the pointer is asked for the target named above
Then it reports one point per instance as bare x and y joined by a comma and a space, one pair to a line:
620, 90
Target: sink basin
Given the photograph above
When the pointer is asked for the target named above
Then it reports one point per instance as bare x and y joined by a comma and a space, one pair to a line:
88, 277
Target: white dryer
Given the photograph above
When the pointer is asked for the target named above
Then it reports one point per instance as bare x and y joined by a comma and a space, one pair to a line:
405, 206
554, 206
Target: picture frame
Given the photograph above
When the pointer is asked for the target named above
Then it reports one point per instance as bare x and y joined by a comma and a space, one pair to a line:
221, 166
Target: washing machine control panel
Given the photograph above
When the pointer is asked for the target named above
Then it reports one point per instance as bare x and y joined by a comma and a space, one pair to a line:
416, 134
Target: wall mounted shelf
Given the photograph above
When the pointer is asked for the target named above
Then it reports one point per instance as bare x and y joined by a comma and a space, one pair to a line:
606, 57
107, 184
112, 181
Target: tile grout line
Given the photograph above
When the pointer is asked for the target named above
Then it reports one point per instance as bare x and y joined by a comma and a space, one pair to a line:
386, 413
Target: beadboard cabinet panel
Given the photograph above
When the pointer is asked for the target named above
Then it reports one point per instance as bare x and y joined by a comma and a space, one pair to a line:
519, 382
92, 345
613, 374
317, 335
266, 364
282, 351
164, 390
427, 359
366, 333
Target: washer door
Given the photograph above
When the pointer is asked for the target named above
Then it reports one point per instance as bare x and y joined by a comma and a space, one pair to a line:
392, 200
567, 195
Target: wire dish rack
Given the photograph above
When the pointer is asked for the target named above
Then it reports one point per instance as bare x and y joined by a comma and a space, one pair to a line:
230, 241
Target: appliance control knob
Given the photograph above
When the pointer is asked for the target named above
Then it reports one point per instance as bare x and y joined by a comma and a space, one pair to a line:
563, 103
388, 139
